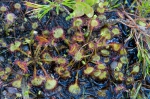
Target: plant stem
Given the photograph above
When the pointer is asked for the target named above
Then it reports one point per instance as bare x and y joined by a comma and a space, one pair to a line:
23, 52
137, 91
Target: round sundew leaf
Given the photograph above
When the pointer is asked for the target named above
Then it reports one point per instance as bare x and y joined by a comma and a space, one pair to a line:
124, 59
2, 73
61, 60
47, 57
91, 45
88, 70
115, 46
103, 75
14, 46
77, 22
118, 76
135, 70
73, 49
95, 58
66, 74
115, 31
10, 17
94, 23
119, 65
58, 33
101, 66
105, 52
96, 73
102, 93
42, 40
16, 83
7, 70
22, 64
59, 70
106, 60
123, 51
78, 37
37, 81
78, 56
100, 10
105, 33
129, 80
74, 89
50, 84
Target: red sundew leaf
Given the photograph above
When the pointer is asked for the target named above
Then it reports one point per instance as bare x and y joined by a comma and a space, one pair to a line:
42, 40
119, 88
23, 65
73, 49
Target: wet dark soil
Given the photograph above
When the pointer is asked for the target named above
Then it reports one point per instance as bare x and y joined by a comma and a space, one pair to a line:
91, 88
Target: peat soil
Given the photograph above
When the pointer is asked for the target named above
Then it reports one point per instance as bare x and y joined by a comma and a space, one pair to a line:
90, 88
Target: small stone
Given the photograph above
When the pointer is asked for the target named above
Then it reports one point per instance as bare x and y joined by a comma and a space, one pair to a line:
12, 90
113, 65
2, 59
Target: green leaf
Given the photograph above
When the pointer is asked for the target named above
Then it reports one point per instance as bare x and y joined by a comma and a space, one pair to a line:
14, 46
90, 2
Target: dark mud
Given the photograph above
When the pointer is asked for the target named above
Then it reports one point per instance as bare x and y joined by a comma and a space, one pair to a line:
91, 88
